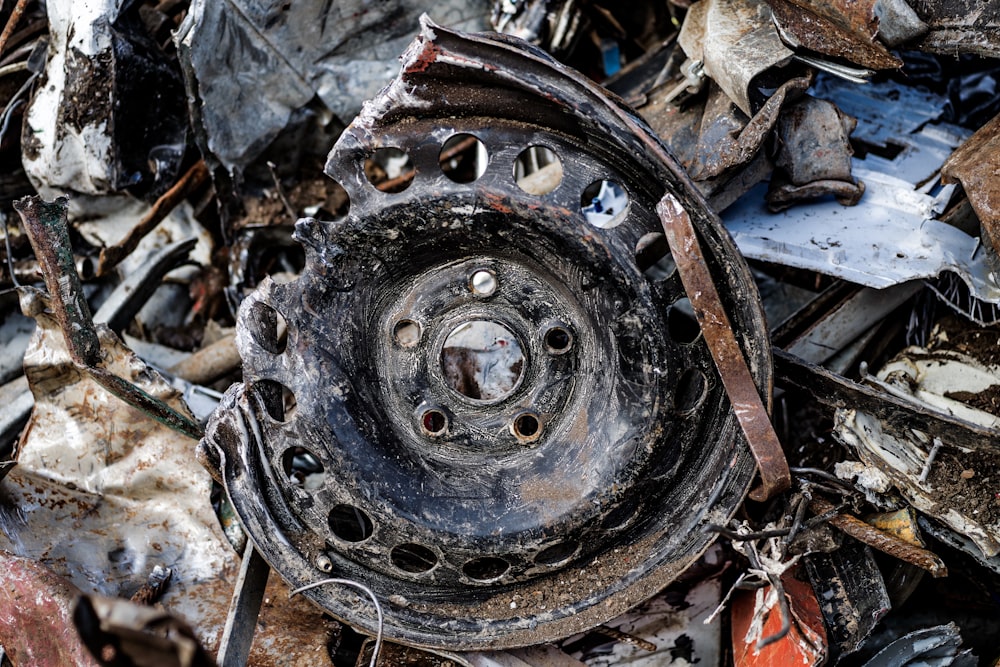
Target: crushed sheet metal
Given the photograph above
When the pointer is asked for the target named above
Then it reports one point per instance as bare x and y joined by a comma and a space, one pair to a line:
36, 614
897, 412
756, 615
957, 541
105, 221
947, 382
343, 52
541, 655
15, 332
900, 207
839, 28
727, 139
78, 126
893, 434
677, 623
750, 410
814, 155
737, 41
975, 165
137, 634
48, 231
902, 459
931, 647
898, 23
102, 494
959, 26
841, 323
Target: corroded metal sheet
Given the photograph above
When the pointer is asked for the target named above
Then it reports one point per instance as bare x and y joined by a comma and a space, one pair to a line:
102, 494
975, 164
737, 42
842, 28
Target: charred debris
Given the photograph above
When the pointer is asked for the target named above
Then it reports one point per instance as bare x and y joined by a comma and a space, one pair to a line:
496, 334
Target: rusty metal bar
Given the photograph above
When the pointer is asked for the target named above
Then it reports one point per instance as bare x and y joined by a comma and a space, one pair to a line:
880, 540
48, 232
747, 404
618, 635
195, 177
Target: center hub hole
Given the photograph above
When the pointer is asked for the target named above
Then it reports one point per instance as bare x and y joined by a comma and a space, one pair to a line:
482, 360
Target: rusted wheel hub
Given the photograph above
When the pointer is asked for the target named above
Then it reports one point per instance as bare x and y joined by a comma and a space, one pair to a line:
505, 421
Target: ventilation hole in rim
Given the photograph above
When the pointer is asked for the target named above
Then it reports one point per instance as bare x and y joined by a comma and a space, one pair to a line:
303, 468
433, 422
604, 204
350, 523
463, 158
653, 258
557, 553
413, 558
267, 327
558, 340
278, 400
406, 333
389, 170
681, 323
538, 170
486, 568
336, 205
620, 517
692, 389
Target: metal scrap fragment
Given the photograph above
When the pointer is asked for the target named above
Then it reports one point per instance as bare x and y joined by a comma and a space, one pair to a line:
814, 155
747, 404
975, 165
48, 232
841, 28
884, 542
737, 42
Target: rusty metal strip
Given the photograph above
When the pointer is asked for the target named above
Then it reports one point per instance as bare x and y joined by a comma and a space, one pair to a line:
48, 232
747, 404
884, 542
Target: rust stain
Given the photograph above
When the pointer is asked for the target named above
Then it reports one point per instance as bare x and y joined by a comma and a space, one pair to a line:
427, 57
497, 203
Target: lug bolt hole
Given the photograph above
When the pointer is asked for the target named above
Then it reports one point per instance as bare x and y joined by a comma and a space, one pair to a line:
483, 283
558, 340
526, 427
406, 333
433, 422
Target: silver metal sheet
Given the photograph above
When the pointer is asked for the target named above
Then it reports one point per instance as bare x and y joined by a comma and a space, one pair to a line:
892, 235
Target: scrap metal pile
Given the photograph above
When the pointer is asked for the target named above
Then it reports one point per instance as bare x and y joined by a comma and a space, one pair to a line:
500, 334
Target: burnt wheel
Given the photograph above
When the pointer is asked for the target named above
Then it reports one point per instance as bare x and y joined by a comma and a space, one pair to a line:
493, 405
